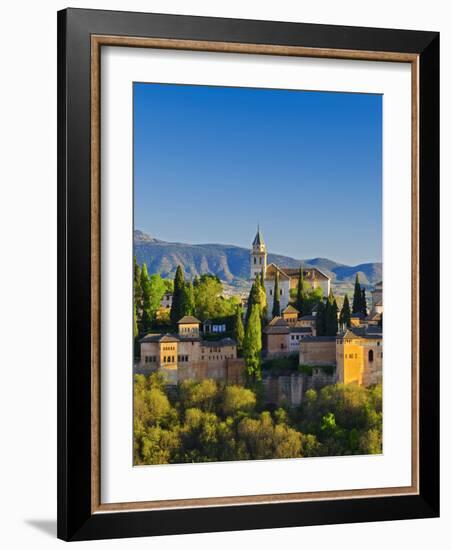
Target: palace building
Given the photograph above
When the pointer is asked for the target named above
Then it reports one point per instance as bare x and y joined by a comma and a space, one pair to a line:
288, 276
187, 355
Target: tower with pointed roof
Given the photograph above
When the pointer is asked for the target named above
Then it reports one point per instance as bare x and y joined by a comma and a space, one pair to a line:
258, 255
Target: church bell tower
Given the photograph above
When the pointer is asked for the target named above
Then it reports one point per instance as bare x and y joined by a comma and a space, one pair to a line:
258, 255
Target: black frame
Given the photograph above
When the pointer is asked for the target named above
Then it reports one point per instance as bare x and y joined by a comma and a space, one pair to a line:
75, 520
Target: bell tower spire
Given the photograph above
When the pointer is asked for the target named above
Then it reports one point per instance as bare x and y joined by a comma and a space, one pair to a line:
258, 255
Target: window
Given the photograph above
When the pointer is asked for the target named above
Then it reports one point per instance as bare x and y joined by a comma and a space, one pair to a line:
270, 292
371, 356
255, 260
260, 261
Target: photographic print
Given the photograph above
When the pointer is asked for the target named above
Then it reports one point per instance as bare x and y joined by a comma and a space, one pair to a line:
258, 290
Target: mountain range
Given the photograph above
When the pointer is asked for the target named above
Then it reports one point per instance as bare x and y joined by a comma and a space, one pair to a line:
232, 263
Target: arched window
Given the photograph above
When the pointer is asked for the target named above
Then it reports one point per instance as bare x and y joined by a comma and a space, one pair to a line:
371, 356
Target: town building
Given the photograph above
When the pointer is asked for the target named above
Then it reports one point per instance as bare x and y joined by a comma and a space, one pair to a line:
376, 298
318, 351
281, 338
288, 276
187, 355
164, 310
357, 354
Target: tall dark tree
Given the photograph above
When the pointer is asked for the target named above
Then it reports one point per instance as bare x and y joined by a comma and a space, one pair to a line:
357, 299
331, 316
345, 313
263, 299
177, 297
252, 345
262, 280
135, 322
276, 301
364, 308
255, 297
145, 319
238, 329
187, 302
321, 319
137, 292
300, 303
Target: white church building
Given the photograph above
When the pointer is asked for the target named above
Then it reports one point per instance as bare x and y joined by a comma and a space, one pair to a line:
288, 277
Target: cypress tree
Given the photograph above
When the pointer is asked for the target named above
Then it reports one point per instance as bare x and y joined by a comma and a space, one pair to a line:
146, 299
364, 309
262, 281
330, 316
357, 299
263, 299
255, 297
333, 325
135, 322
321, 319
276, 301
345, 313
252, 345
187, 302
177, 297
300, 294
238, 330
137, 292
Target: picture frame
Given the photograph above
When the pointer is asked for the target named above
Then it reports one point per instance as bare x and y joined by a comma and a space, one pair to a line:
81, 36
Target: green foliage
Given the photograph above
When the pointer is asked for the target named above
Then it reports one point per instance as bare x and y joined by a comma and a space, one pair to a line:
331, 316
364, 308
281, 364
276, 301
345, 313
321, 319
137, 291
177, 297
255, 298
357, 299
263, 438
237, 399
202, 395
209, 302
252, 345
346, 419
204, 422
238, 330
187, 301
301, 295
135, 322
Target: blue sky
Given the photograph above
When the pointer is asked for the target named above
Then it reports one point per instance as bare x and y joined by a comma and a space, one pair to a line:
212, 162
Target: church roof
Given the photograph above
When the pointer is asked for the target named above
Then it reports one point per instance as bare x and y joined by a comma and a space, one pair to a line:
309, 273
188, 320
277, 325
290, 309
258, 241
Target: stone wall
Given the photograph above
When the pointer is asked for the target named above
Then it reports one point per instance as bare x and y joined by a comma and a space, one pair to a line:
318, 379
317, 352
290, 389
231, 372
286, 390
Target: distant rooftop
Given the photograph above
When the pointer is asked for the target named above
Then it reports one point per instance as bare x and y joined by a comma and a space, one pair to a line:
188, 320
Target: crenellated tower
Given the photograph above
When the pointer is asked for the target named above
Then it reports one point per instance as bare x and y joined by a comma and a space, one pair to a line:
258, 255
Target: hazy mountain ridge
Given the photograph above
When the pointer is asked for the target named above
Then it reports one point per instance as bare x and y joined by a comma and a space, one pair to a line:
231, 263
